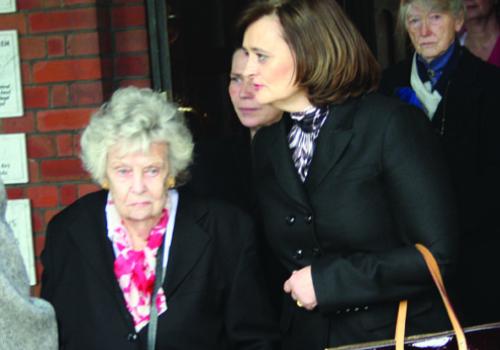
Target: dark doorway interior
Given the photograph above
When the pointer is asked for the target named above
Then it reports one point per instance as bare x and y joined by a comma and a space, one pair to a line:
202, 38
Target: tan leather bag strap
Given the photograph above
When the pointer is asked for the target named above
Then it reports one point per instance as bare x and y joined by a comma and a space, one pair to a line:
433, 267
400, 325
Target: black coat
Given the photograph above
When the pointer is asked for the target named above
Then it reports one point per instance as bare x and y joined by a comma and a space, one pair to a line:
469, 115
213, 286
376, 186
222, 169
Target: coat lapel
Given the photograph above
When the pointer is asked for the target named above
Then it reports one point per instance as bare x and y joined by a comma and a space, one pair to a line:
333, 140
284, 169
188, 244
90, 237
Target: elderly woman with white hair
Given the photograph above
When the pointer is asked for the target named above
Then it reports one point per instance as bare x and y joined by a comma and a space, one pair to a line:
460, 94
113, 253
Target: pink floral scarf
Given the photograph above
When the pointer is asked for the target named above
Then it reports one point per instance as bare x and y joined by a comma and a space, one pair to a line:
135, 269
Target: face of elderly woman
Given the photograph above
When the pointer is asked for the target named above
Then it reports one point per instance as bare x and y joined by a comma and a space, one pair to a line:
271, 66
431, 32
137, 182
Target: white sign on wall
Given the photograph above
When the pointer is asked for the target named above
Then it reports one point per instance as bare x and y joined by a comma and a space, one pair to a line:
18, 216
7, 6
13, 159
11, 90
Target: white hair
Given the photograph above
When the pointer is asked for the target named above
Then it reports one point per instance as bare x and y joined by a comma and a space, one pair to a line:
455, 7
134, 119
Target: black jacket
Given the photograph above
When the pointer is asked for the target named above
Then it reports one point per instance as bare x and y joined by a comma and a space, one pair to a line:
469, 117
213, 286
376, 186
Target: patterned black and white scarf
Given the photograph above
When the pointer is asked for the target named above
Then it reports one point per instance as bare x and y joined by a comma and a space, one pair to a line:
302, 137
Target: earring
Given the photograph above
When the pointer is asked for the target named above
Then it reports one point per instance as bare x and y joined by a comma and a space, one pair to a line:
105, 184
170, 182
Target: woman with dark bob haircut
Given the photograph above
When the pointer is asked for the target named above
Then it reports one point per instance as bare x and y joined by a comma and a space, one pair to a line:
346, 186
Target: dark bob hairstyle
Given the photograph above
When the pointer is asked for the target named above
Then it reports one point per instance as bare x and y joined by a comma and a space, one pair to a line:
332, 60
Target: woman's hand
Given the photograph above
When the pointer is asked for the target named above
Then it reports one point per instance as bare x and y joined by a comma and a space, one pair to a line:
301, 289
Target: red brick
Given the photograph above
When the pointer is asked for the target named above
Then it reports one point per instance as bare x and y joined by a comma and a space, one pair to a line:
34, 172
15, 192
63, 119
37, 288
65, 70
51, 3
128, 16
83, 44
77, 2
24, 124
64, 144
60, 95
26, 73
29, 4
141, 83
40, 146
132, 66
37, 221
131, 41
128, 1
33, 47
36, 97
68, 194
39, 242
62, 169
87, 188
69, 20
76, 144
55, 46
43, 196
13, 21
86, 93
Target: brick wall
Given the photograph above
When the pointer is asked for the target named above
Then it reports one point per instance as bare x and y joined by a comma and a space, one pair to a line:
74, 53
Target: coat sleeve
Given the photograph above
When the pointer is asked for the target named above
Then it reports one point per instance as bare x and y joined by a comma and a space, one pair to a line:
54, 259
51, 262
422, 205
